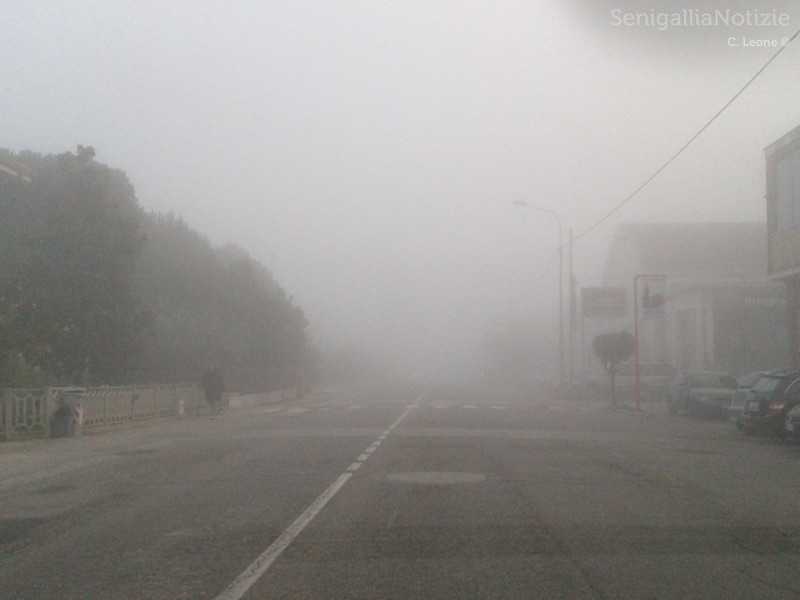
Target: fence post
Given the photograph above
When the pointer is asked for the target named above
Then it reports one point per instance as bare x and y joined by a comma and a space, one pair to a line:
49, 401
6, 414
105, 405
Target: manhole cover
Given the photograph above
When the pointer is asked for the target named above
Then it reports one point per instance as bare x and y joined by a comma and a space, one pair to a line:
437, 478
139, 452
57, 489
190, 532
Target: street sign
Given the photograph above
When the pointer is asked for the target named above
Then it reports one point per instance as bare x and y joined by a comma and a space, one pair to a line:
652, 297
604, 302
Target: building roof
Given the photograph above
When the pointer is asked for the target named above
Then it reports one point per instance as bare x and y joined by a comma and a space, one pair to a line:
789, 139
674, 248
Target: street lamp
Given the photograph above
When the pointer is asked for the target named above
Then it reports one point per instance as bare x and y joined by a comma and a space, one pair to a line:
560, 290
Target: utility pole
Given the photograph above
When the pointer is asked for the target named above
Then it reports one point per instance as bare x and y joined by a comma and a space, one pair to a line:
560, 290
573, 316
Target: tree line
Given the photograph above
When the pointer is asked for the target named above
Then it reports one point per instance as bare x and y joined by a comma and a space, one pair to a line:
94, 290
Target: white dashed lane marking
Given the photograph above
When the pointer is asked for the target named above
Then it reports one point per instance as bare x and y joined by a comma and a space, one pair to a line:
259, 566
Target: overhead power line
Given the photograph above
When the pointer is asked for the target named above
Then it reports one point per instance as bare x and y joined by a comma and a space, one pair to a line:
687, 144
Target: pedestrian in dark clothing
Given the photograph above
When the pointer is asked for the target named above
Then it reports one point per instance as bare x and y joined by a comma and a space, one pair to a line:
213, 385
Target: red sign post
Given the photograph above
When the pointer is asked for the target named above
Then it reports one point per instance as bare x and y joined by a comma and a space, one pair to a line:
652, 304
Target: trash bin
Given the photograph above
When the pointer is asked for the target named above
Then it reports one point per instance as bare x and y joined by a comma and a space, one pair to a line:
68, 418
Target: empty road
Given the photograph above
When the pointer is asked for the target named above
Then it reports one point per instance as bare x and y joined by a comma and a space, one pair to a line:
402, 492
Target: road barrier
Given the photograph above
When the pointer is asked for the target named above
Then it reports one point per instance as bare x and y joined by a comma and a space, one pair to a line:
27, 413
61, 411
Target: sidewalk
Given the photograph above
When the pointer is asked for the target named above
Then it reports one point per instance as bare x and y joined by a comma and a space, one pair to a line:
30, 461
25, 462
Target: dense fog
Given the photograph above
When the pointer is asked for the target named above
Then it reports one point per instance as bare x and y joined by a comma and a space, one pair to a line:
369, 153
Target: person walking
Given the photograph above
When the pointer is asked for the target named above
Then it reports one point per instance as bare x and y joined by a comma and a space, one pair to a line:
213, 385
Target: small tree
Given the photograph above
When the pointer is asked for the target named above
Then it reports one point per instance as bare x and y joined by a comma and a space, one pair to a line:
612, 349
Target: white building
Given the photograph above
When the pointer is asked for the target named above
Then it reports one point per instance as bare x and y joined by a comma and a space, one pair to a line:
720, 309
783, 226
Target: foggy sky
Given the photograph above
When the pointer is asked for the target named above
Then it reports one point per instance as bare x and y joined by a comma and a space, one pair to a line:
368, 152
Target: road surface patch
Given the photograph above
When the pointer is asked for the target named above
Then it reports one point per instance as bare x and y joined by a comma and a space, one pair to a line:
437, 478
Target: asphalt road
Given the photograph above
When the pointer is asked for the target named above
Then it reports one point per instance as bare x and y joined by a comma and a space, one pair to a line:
379, 492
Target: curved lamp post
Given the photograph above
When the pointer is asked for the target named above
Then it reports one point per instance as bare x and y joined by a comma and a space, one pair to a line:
560, 289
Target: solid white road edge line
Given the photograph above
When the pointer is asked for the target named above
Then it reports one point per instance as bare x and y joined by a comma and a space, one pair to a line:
259, 566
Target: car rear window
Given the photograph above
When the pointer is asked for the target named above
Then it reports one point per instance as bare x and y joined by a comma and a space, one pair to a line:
710, 380
748, 380
766, 384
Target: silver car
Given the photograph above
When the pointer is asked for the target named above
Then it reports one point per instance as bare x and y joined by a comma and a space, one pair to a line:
704, 392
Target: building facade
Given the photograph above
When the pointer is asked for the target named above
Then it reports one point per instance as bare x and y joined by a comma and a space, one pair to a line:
783, 227
719, 310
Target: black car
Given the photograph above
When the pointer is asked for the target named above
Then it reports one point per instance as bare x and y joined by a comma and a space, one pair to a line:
769, 401
746, 382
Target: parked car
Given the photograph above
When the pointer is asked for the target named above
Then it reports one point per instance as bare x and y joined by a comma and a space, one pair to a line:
655, 379
791, 424
771, 398
704, 392
746, 383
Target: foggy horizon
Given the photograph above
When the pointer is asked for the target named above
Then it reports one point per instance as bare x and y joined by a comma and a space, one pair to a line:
369, 154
